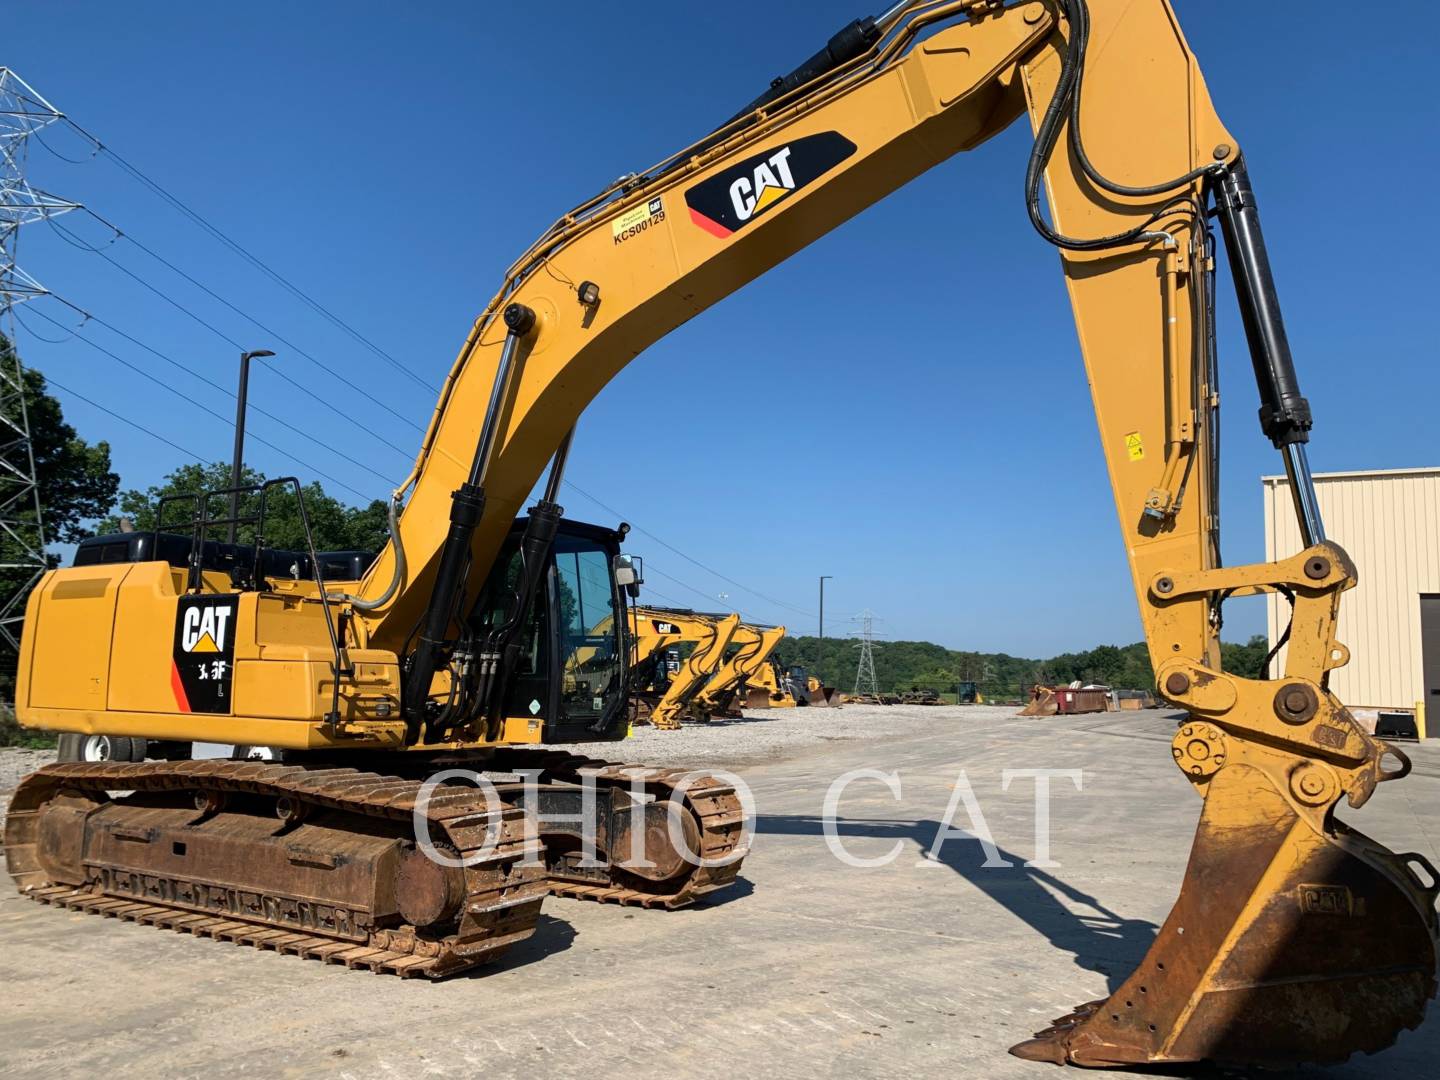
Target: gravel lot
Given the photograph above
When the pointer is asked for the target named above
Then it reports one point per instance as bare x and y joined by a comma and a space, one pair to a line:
761, 735
15, 764
768, 735
929, 965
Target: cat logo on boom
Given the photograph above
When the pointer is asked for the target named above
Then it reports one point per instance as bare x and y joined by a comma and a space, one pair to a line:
751, 188
773, 181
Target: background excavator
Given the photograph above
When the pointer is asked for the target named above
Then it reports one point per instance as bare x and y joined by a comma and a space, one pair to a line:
769, 687
775, 686
665, 698
750, 651
1294, 936
660, 641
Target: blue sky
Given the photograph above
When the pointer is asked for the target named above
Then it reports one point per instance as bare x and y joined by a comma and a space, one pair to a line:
902, 405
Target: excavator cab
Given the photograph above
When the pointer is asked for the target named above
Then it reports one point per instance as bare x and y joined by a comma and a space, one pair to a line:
571, 666
797, 684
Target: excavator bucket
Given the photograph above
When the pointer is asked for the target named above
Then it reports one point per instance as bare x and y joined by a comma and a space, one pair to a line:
1042, 702
1287, 944
757, 697
826, 697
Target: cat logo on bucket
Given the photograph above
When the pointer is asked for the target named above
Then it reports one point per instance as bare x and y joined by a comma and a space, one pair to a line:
202, 665
749, 189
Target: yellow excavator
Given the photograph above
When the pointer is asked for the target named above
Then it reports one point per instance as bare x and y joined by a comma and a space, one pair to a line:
752, 647
1294, 937
657, 637
669, 693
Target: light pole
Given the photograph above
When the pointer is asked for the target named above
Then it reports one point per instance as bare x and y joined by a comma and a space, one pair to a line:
821, 649
237, 462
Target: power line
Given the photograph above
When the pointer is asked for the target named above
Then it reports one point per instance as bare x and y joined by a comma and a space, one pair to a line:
75, 241
254, 260
69, 160
683, 584
670, 547
216, 233
206, 409
123, 419
710, 597
120, 234
88, 317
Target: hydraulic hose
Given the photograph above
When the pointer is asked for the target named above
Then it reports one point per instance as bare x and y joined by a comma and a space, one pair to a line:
384, 598
1065, 102
1080, 40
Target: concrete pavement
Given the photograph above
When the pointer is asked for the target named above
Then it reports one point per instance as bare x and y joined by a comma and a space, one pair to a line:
810, 968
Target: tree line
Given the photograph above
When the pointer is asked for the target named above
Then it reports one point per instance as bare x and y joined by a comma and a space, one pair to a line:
905, 665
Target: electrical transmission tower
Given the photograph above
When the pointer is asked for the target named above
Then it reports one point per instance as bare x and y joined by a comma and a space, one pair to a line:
865, 673
23, 112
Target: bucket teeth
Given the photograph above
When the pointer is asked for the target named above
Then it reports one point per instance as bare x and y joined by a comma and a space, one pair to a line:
1080, 1012
1041, 1048
1287, 945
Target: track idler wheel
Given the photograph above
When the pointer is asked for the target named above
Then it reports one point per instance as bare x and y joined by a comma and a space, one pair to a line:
1286, 945
659, 858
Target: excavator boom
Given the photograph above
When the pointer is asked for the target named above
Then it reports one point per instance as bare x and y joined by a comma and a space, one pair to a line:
655, 629
753, 647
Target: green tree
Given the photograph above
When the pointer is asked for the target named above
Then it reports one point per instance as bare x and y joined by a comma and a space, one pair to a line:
1246, 660
75, 480
899, 665
334, 525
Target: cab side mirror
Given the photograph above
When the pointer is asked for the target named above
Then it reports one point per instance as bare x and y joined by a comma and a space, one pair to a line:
629, 573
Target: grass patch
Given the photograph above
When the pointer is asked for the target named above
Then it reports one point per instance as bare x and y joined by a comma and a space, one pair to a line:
12, 734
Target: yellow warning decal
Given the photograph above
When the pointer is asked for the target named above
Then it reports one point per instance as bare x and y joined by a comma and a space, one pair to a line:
1134, 447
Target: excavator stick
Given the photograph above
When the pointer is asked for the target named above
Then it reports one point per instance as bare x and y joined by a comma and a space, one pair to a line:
1293, 938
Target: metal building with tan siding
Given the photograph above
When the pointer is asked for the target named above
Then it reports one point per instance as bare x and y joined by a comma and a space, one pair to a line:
1389, 522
